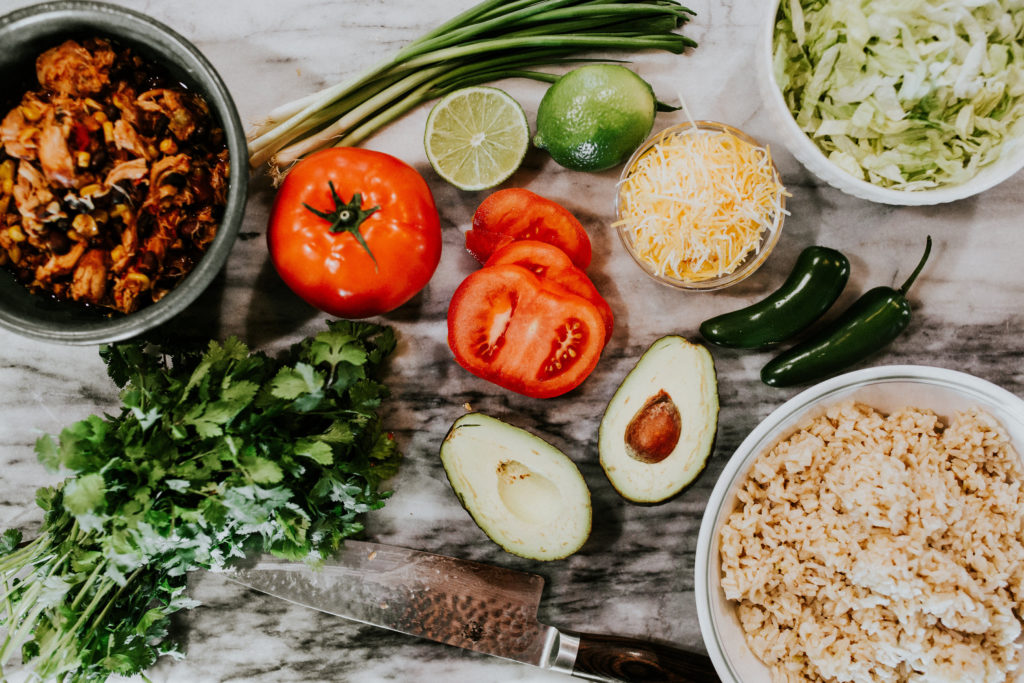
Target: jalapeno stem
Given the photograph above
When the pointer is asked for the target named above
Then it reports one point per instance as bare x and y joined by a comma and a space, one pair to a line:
920, 264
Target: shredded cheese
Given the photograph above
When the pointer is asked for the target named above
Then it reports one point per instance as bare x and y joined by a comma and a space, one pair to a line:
698, 202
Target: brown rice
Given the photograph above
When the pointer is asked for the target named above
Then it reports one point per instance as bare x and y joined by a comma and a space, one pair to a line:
868, 547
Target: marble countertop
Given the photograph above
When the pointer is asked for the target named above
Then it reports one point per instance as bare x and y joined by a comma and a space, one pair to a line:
634, 577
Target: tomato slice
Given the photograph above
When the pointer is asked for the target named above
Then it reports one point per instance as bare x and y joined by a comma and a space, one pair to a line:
519, 214
483, 243
506, 327
552, 265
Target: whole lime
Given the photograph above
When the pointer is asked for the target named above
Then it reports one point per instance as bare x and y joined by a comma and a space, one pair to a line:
594, 117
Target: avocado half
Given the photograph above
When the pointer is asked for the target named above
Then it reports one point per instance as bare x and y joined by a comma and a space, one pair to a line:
659, 428
524, 493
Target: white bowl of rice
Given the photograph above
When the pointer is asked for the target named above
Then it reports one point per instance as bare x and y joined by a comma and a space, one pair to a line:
909, 103
870, 529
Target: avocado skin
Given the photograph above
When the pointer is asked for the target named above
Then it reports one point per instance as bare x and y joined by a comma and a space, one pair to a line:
611, 446
580, 512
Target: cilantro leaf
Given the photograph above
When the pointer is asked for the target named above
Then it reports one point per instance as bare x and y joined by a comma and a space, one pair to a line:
319, 451
218, 451
9, 540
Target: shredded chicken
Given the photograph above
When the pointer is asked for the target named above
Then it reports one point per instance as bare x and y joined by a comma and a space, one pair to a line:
32, 195
89, 283
171, 104
108, 197
136, 169
60, 265
124, 99
127, 289
126, 138
18, 132
55, 156
71, 69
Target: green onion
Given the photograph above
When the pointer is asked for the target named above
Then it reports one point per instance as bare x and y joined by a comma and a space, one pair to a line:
496, 39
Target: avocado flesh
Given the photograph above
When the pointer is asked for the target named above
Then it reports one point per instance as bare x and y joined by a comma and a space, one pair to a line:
659, 428
525, 494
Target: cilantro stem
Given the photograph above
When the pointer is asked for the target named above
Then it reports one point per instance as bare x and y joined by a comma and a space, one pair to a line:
21, 621
213, 454
87, 585
47, 663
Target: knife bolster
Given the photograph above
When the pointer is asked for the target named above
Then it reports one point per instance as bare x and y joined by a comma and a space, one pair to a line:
565, 649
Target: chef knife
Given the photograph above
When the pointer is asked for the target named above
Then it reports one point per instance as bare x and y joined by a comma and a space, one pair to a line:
471, 605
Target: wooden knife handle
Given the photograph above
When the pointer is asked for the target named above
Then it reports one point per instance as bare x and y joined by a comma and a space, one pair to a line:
603, 657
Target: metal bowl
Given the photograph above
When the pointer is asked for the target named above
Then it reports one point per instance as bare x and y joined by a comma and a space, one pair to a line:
26, 33
885, 388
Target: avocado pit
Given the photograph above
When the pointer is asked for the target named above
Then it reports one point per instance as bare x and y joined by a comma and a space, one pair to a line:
653, 452
654, 431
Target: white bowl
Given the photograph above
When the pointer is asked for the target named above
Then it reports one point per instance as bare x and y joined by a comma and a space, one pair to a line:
800, 145
885, 388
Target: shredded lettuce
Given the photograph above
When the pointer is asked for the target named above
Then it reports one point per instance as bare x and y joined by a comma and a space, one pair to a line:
905, 94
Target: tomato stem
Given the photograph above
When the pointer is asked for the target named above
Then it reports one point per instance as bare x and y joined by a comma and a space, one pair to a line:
347, 216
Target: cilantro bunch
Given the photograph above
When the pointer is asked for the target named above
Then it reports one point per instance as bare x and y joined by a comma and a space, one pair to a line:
216, 453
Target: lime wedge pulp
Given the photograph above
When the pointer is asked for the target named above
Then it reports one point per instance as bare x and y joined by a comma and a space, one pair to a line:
476, 137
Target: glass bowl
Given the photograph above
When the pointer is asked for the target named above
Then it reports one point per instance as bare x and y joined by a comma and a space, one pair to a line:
885, 388
754, 258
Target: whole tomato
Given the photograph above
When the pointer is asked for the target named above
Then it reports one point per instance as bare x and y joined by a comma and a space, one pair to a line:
354, 232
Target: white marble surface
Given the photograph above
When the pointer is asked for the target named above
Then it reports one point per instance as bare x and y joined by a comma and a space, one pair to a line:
635, 575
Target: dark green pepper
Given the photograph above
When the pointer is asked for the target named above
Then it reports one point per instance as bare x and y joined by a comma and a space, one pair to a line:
817, 279
874, 320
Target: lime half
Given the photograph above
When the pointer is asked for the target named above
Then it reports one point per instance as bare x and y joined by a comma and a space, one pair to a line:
476, 137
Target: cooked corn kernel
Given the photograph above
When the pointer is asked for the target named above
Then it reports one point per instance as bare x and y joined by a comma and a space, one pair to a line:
93, 104
90, 189
168, 146
31, 112
15, 233
100, 116
83, 158
108, 132
85, 225
141, 278
7, 170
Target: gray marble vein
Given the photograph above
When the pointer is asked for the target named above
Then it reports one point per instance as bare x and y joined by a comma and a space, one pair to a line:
634, 576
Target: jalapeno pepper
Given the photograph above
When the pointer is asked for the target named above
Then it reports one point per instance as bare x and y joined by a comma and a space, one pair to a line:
817, 279
874, 320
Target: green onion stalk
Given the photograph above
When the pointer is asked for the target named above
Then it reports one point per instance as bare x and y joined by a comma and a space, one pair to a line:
494, 40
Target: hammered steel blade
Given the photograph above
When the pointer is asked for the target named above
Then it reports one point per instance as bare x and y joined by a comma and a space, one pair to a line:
467, 604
